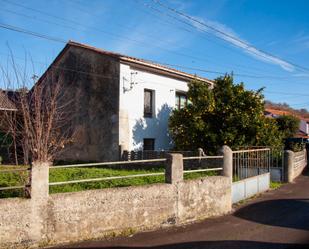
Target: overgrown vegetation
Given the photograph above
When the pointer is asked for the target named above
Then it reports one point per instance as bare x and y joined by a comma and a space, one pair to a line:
225, 115
41, 128
288, 125
295, 146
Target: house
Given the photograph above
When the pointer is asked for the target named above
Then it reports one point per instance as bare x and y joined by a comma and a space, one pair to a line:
6, 108
5, 103
303, 132
120, 102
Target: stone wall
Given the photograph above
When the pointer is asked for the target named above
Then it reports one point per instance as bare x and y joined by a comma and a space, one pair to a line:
294, 164
52, 219
90, 86
93, 214
300, 162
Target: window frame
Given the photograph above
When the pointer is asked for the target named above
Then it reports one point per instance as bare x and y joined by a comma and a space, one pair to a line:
153, 140
152, 103
178, 95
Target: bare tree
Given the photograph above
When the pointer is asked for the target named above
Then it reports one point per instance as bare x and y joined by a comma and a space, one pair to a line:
42, 125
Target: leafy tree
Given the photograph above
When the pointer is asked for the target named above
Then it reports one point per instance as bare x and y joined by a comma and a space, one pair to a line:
225, 115
288, 125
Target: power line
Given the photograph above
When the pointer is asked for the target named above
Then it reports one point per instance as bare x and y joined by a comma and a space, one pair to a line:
288, 93
120, 37
198, 28
24, 31
247, 45
68, 20
126, 39
117, 77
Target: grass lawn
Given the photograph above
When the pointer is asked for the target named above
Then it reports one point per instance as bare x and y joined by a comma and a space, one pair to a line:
13, 179
67, 174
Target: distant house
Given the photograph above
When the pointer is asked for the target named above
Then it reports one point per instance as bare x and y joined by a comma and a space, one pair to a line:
6, 105
303, 132
120, 102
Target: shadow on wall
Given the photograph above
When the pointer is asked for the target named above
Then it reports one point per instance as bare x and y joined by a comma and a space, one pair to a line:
156, 127
224, 244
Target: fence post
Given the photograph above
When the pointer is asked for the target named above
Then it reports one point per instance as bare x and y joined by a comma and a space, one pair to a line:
40, 181
39, 200
174, 168
227, 161
288, 165
200, 152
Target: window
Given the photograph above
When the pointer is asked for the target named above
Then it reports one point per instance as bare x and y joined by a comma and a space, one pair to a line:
149, 144
148, 103
181, 100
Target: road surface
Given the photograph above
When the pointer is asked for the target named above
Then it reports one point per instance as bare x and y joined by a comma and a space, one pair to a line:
276, 219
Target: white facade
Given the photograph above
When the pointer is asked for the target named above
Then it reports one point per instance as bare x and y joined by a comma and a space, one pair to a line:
133, 126
303, 126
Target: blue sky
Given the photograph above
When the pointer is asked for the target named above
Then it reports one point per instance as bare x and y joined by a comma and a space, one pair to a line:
145, 29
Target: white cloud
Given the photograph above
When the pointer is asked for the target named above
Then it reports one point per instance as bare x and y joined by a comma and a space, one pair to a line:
227, 34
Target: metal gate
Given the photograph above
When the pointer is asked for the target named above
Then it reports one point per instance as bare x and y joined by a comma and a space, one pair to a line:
254, 160
251, 172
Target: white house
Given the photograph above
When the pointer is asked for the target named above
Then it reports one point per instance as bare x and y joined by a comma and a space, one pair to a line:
121, 102
303, 131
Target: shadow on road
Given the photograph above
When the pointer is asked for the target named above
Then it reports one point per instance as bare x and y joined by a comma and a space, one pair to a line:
290, 213
306, 171
226, 244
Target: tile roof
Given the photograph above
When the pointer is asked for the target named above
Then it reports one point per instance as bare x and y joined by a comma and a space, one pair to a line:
277, 112
6, 103
141, 62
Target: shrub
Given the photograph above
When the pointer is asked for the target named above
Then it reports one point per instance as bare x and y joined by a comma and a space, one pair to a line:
225, 115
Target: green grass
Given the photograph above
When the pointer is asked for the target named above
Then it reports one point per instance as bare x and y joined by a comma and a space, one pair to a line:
196, 175
13, 179
67, 174
275, 185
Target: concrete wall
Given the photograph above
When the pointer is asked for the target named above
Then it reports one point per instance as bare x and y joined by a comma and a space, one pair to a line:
92, 214
16, 223
249, 187
52, 219
133, 126
91, 81
294, 164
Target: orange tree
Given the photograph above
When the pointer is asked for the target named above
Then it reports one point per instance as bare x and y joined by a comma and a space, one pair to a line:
288, 124
225, 115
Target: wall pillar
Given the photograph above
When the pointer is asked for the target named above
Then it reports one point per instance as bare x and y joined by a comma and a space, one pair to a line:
227, 161
39, 192
288, 165
200, 152
174, 168
39, 180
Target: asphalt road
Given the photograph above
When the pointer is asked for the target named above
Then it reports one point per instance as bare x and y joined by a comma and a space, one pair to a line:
276, 219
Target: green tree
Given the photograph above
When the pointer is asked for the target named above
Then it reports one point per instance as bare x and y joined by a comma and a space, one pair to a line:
288, 125
225, 115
